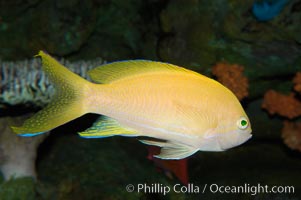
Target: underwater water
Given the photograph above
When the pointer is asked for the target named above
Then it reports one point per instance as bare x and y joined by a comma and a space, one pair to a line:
251, 47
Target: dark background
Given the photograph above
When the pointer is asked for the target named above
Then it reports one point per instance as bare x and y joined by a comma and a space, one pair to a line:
195, 34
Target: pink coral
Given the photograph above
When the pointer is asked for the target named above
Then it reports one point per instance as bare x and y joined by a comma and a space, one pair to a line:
291, 134
284, 105
231, 75
17, 154
297, 82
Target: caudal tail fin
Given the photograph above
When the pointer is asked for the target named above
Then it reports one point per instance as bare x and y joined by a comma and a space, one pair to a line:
66, 105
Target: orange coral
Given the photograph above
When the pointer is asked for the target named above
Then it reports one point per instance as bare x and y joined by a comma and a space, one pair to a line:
297, 82
232, 77
291, 134
286, 106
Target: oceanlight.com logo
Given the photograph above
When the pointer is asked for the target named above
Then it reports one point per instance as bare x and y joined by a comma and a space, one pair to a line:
159, 188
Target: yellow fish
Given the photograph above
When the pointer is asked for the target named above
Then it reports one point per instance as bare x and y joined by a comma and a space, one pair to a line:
187, 111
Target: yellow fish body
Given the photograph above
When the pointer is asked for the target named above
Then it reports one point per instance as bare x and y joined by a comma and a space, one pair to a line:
188, 111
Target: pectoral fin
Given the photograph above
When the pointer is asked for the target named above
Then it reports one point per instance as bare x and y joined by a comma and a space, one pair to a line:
153, 143
171, 150
107, 127
193, 117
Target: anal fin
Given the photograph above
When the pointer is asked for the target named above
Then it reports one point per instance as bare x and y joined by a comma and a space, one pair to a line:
107, 127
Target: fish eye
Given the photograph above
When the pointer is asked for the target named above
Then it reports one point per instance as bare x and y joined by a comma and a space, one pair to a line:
242, 123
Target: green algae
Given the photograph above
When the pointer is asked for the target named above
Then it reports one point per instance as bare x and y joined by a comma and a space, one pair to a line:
18, 189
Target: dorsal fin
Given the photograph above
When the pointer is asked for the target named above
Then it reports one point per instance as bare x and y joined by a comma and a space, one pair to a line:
123, 69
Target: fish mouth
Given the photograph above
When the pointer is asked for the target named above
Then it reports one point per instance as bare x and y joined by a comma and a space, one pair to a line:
249, 137
249, 132
230, 143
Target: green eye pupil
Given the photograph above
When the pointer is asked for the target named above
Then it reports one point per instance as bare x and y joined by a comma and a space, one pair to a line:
243, 123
